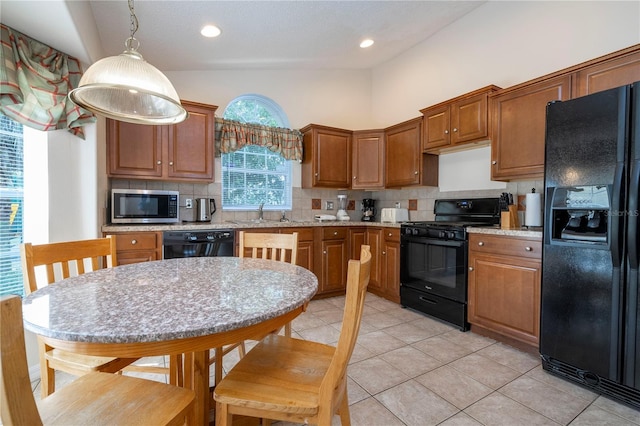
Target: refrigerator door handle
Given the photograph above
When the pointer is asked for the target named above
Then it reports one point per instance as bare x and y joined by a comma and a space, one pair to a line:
632, 215
616, 225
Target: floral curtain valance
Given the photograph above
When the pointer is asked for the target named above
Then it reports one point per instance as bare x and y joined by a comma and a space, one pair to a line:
34, 82
234, 135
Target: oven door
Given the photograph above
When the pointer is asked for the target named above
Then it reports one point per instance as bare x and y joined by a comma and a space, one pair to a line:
223, 245
435, 266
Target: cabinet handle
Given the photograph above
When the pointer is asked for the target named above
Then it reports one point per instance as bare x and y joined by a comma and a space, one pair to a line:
390, 234
455, 130
415, 173
494, 162
335, 232
471, 268
158, 162
384, 253
354, 178
480, 243
528, 249
134, 242
324, 252
446, 132
171, 163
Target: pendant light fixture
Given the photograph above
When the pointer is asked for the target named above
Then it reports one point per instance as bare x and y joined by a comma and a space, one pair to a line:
128, 88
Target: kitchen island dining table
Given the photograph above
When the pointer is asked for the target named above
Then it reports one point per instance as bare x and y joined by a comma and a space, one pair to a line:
170, 307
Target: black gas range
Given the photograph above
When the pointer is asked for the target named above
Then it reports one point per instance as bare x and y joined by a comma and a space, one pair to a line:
433, 257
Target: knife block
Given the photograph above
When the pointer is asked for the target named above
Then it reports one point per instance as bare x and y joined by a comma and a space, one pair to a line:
509, 219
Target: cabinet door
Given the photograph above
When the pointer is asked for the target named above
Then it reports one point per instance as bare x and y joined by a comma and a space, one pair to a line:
519, 118
134, 150
327, 157
135, 247
391, 264
469, 119
190, 145
368, 160
608, 75
374, 240
305, 246
504, 296
334, 266
436, 127
403, 154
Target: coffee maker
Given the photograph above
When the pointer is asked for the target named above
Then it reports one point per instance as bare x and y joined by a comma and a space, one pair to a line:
368, 209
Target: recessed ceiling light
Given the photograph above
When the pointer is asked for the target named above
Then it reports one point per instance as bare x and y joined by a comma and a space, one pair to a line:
366, 43
210, 31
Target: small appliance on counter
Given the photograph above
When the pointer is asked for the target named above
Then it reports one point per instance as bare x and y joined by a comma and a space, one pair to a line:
368, 210
205, 208
134, 206
391, 215
342, 208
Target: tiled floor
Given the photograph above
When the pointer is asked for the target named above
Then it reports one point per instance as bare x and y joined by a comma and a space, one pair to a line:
408, 369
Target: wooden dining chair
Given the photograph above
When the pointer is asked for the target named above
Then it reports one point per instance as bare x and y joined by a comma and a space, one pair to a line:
94, 398
271, 246
292, 380
62, 260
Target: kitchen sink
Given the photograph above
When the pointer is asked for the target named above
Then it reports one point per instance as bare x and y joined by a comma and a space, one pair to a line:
252, 221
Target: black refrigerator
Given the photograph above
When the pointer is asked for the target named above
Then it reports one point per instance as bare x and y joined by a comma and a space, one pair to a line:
590, 316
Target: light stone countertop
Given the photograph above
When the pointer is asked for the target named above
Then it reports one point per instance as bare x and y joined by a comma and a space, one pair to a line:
533, 232
167, 300
191, 226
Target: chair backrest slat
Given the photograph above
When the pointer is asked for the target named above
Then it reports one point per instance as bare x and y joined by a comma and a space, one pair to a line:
334, 382
66, 257
17, 404
269, 246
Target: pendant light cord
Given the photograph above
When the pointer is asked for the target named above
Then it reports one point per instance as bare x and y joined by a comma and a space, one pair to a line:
133, 28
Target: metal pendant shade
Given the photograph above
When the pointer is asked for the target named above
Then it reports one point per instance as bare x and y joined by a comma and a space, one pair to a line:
128, 88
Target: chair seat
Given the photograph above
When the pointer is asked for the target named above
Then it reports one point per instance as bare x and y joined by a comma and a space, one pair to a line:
280, 374
63, 360
142, 402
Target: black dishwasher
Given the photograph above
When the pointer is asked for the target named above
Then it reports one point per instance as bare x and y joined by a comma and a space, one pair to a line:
205, 243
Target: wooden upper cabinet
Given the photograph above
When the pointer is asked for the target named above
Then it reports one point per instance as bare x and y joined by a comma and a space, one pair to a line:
608, 74
327, 157
405, 164
519, 120
191, 144
182, 151
457, 122
368, 160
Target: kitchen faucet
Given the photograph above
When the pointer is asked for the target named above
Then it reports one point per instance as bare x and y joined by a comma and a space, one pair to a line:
260, 212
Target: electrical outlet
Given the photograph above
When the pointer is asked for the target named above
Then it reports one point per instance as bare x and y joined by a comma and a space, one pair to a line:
328, 205
188, 203
397, 205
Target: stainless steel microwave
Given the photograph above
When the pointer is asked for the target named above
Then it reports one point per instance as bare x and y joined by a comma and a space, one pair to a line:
144, 206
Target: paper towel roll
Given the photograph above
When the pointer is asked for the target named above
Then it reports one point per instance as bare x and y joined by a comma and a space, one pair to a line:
533, 210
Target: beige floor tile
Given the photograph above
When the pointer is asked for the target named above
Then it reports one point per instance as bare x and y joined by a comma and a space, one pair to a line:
330, 316
356, 392
416, 405
319, 306
408, 333
511, 357
460, 419
404, 314
370, 412
468, 339
360, 353
323, 334
457, 388
596, 416
376, 375
564, 385
411, 361
433, 325
547, 400
442, 349
485, 370
379, 342
381, 320
498, 410
305, 321
618, 409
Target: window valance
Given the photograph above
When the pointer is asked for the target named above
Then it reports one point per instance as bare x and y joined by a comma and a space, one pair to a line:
234, 135
34, 82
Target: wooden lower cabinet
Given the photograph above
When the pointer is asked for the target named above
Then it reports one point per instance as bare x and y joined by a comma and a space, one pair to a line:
135, 247
305, 246
332, 253
390, 260
504, 286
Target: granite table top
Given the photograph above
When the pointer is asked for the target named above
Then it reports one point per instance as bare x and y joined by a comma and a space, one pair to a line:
167, 300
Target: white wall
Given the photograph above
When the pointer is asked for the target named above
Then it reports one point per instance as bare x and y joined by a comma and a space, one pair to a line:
337, 98
501, 43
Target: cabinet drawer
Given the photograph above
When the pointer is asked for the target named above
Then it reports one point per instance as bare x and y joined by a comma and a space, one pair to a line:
304, 234
137, 241
334, 233
391, 234
509, 246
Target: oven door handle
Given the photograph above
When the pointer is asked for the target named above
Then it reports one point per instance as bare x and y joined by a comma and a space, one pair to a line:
424, 299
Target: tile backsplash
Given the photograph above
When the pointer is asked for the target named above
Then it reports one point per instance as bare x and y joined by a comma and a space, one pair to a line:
419, 200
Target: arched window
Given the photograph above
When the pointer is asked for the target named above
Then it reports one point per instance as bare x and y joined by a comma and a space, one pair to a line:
255, 175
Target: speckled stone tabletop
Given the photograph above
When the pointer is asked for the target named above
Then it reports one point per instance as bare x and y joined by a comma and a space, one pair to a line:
167, 299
